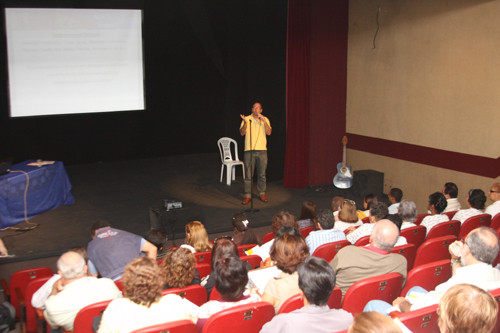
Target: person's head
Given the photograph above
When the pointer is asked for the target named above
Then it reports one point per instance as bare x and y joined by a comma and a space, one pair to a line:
283, 218
378, 211
348, 212
481, 246
373, 322
384, 235
336, 203
288, 229
476, 199
437, 202
308, 210
71, 265
450, 190
231, 276
495, 192
197, 236
408, 211
256, 109
240, 222
142, 281
316, 280
158, 238
289, 251
326, 220
395, 195
368, 199
465, 308
396, 219
179, 268
98, 225
221, 247
82, 251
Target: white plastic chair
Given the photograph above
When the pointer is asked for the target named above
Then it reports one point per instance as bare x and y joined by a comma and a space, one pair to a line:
227, 159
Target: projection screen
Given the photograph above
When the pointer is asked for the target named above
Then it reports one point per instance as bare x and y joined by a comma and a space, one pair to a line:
66, 61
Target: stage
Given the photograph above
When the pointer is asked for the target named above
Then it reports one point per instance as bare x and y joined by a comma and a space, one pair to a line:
123, 193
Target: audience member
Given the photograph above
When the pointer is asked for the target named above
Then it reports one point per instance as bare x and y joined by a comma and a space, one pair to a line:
74, 291
494, 208
307, 215
231, 278
196, 237
395, 196
367, 201
143, 304
378, 211
408, 211
179, 269
316, 283
398, 221
347, 216
437, 204
159, 239
465, 308
325, 231
288, 252
242, 233
354, 263
3, 249
373, 322
475, 200
336, 204
110, 250
450, 191
471, 263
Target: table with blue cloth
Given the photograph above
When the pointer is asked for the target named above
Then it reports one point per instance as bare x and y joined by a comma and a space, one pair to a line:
48, 188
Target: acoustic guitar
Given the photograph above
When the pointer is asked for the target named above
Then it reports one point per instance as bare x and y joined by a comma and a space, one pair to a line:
343, 178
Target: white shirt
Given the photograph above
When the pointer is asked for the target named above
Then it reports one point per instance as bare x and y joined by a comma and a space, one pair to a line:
464, 214
453, 205
493, 209
341, 225
41, 295
393, 209
432, 220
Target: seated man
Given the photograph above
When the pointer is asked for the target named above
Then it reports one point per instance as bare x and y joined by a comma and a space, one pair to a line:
325, 233
450, 191
74, 291
316, 283
354, 263
494, 208
471, 263
395, 196
112, 249
378, 211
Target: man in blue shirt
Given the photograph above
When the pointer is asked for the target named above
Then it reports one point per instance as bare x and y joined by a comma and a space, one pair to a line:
325, 233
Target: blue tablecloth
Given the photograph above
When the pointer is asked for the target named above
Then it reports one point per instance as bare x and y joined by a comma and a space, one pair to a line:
48, 188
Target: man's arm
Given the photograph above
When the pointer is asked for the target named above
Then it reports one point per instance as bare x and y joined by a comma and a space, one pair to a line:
3, 249
267, 127
455, 250
149, 249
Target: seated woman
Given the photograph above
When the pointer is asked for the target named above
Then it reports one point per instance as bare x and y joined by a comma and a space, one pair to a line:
307, 215
373, 322
348, 216
179, 269
367, 200
437, 204
231, 278
475, 200
288, 252
408, 211
243, 234
196, 237
143, 304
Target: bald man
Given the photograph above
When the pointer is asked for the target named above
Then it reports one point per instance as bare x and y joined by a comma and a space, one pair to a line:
494, 208
354, 263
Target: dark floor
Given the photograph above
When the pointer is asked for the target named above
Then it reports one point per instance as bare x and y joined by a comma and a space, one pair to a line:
123, 193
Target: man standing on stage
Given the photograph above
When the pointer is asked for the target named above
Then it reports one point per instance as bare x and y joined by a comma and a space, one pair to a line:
255, 127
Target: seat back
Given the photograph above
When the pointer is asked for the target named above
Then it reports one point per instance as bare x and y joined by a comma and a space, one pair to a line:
292, 303
384, 287
420, 217
31, 288
428, 276
366, 219
178, 326
245, 247
225, 149
495, 222
414, 235
214, 295
254, 260
306, 231
195, 293
408, 251
267, 237
248, 318
203, 257
119, 284
444, 229
20, 280
335, 299
84, 317
433, 250
482, 220
363, 241
450, 214
423, 320
329, 250
204, 269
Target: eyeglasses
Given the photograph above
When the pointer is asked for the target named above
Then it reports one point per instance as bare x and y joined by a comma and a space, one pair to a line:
491, 191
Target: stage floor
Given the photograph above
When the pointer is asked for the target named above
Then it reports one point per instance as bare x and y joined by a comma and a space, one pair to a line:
123, 192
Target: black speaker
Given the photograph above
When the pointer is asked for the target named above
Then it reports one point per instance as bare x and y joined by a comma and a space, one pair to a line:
368, 181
